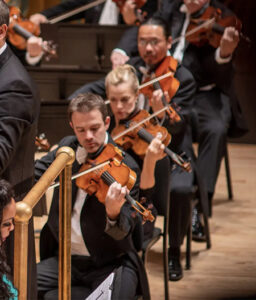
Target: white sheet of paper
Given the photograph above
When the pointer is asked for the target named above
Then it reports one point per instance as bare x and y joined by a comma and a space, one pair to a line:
104, 290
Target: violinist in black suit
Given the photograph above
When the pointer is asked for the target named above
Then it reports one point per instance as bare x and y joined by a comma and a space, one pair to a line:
154, 41
102, 235
19, 113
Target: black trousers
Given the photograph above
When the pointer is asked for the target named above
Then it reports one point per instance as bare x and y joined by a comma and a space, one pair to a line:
214, 114
182, 184
85, 277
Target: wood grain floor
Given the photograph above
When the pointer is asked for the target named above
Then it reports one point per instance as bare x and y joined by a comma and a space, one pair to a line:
228, 269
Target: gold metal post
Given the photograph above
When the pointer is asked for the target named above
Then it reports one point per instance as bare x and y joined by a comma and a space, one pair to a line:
65, 208
65, 155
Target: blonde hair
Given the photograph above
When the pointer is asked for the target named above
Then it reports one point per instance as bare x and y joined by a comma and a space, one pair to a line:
122, 74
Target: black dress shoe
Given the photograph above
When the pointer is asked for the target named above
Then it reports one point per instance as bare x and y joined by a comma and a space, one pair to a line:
175, 269
198, 234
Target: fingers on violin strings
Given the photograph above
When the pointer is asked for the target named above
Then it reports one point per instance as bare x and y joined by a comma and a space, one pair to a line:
166, 94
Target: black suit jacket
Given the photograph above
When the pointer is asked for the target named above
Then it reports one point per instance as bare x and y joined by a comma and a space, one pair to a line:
92, 15
19, 112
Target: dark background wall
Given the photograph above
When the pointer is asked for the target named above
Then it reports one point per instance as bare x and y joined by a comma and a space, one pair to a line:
245, 65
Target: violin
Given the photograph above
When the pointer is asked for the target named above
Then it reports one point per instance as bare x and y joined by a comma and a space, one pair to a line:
97, 182
139, 3
21, 29
42, 143
132, 139
208, 27
169, 84
139, 131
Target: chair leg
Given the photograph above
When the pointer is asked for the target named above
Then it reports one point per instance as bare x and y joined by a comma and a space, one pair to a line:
188, 247
207, 231
228, 175
166, 268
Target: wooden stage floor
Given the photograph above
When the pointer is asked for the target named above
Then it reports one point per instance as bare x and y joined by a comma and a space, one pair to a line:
227, 270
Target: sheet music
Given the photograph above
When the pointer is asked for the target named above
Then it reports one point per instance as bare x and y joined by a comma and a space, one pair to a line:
104, 290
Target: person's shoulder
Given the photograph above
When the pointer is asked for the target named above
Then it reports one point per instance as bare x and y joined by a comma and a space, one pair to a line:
183, 74
127, 158
69, 141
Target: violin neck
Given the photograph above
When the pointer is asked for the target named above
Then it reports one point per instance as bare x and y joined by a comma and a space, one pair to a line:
148, 137
109, 179
157, 86
218, 28
22, 32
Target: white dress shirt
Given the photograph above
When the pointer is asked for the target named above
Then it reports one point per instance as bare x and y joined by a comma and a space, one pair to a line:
3, 48
78, 246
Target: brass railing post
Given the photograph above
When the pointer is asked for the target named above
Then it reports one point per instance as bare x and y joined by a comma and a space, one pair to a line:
65, 208
65, 156
23, 214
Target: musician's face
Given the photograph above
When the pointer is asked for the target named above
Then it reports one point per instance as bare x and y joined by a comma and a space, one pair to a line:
194, 5
90, 129
152, 44
7, 225
122, 100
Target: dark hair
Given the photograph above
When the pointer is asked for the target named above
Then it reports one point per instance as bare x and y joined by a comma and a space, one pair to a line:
159, 22
4, 13
86, 103
6, 195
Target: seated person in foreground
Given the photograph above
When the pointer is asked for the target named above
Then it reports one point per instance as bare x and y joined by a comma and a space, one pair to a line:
101, 233
7, 214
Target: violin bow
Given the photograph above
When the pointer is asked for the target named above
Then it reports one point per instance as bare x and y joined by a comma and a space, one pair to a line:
194, 30
168, 74
92, 169
76, 11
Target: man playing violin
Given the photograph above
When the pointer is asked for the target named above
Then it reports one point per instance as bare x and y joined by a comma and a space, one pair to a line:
154, 42
19, 113
216, 104
101, 233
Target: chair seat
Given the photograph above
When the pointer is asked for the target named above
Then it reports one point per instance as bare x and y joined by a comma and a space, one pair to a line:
157, 233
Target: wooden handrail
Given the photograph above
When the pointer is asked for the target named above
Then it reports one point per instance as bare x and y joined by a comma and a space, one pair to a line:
61, 165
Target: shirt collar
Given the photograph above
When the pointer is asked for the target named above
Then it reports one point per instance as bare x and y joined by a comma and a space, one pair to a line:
3, 48
183, 9
81, 153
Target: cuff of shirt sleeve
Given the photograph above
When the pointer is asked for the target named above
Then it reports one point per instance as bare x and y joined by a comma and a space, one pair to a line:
221, 60
110, 223
118, 50
33, 60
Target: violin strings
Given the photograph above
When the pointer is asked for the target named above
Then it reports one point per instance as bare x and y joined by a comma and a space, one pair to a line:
140, 123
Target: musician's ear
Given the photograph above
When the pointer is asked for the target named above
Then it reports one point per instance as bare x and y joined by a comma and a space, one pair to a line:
71, 125
107, 122
169, 42
3, 31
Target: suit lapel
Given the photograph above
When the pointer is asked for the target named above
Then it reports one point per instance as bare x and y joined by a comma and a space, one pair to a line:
5, 56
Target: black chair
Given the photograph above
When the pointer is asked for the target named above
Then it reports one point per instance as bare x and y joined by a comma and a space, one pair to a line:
162, 204
194, 126
198, 198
